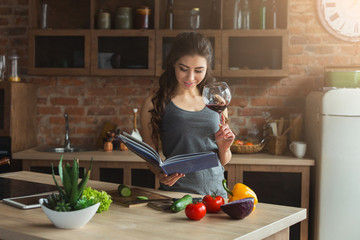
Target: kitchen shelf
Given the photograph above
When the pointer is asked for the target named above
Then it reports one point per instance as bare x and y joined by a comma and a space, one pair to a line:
282, 13
64, 14
111, 6
181, 9
72, 45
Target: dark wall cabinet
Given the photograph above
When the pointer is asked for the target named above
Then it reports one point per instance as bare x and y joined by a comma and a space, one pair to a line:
72, 44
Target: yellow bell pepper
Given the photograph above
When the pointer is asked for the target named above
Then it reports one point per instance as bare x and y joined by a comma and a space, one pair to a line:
240, 191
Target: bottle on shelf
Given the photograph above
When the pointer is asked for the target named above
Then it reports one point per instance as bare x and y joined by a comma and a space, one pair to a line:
13, 74
246, 16
237, 15
272, 23
169, 15
2, 67
213, 20
195, 18
44, 16
262, 15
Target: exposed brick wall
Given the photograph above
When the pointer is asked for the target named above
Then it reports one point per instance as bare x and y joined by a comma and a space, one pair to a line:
92, 101
14, 23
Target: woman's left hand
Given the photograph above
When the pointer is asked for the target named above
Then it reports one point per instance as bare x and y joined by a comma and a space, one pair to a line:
224, 137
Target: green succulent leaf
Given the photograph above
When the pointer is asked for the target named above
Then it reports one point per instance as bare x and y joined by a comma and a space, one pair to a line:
61, 192
74, 196
84, 203
61, 169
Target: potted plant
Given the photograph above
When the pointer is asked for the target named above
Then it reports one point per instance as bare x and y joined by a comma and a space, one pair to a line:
67, 208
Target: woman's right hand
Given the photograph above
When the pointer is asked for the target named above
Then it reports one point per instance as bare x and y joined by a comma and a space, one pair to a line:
165, 179
169, 180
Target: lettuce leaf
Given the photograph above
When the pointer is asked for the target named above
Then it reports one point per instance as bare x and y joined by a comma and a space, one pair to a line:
97, 196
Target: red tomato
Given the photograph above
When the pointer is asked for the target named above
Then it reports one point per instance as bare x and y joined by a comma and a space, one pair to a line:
213, 203
195, 211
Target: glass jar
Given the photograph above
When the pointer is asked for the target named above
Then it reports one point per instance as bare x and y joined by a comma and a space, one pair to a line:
13, 74
143, 17
253, 134
123, 18
195, 18
103, 20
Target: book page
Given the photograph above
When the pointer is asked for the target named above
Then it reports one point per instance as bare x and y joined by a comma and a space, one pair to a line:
141, 149
143, 144
183, 157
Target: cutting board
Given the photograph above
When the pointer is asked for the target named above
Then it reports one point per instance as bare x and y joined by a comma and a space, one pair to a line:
133, 201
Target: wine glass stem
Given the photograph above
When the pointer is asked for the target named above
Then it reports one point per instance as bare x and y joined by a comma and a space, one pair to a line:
221, 121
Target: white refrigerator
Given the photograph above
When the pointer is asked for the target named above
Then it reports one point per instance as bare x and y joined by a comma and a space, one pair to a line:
332, 130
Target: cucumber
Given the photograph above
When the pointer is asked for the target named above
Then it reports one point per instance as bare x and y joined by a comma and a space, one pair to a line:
124, 190
181, 203
142, 198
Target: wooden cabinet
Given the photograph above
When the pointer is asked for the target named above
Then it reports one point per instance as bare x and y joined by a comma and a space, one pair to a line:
18, 115
123, 52
73, 45
59, 52
254, 53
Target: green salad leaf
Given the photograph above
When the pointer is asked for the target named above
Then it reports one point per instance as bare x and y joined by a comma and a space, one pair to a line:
97, 196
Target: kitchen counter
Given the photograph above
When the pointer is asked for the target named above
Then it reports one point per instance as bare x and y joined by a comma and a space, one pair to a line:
239, 165
268, 221
128, 156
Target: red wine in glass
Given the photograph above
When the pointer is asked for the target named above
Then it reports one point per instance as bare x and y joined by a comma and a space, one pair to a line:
217, 108
217, 97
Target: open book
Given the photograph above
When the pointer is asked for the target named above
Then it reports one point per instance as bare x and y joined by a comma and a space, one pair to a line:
184, 163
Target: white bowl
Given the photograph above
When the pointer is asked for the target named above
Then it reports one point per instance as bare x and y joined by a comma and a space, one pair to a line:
69, 220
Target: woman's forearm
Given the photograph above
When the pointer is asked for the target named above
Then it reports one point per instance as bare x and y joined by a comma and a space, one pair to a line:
225, 156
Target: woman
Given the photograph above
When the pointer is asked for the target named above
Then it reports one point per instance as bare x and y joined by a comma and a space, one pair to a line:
177, 115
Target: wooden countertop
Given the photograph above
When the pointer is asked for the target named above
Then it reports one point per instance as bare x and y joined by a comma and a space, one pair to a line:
144, 222
128, 156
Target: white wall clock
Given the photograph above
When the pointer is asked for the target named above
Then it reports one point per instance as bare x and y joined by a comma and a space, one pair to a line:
341, 18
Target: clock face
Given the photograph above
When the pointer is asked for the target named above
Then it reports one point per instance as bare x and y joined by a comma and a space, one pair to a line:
341, 18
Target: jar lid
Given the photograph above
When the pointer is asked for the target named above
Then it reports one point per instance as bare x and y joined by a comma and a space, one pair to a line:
143, 10
196, 9
143, 7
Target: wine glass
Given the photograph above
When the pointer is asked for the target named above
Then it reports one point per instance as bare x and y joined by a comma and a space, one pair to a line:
217, 97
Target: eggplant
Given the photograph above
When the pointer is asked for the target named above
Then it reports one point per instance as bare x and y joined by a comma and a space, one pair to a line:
239, 209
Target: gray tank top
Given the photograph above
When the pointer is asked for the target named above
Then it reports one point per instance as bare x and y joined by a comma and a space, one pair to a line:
190, 132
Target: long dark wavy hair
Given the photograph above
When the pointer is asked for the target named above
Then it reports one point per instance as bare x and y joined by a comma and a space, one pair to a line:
186, 43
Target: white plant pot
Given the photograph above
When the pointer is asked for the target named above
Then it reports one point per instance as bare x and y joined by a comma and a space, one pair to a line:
69, 220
